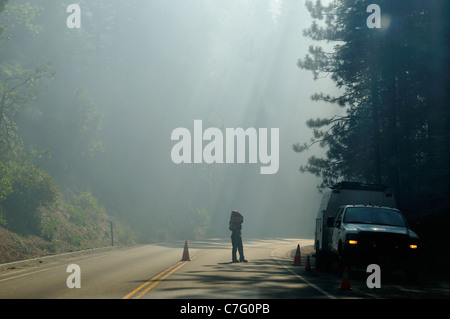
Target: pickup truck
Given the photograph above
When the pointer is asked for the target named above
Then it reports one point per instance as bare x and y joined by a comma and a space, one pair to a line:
364, 234
340, 194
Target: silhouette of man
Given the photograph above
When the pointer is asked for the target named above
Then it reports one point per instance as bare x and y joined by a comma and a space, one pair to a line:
236, 220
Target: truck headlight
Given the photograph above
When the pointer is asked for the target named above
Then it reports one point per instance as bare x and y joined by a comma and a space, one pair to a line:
352, 239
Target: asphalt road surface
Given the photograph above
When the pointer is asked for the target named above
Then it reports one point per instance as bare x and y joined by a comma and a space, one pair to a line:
157, 272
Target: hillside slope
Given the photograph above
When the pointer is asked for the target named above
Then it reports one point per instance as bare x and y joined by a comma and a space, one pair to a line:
68, 227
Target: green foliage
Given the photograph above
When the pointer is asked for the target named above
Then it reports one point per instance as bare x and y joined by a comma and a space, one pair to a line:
5, 181
28, 195
83, 120
49, 225
32, 188
396, 130
3, 221
199, 222
75, 240
84, 209
60, 116
18, 87
20, 16
3, 4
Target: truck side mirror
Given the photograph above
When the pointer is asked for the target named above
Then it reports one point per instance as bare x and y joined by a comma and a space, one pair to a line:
330, 221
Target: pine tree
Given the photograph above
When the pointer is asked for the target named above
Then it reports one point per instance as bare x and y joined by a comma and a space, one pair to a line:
396, 129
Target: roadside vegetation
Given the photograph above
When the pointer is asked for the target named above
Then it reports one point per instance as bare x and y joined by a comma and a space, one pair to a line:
394, 128
51, 147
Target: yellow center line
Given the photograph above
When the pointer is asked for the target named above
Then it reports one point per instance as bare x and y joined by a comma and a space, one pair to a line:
148, 282
158, 278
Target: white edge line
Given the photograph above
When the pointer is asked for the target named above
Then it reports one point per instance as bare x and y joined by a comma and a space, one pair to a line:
305, 280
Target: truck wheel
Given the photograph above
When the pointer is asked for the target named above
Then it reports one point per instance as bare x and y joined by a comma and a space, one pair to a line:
342, 261
327, 261
319, 261
323, 260
412, 274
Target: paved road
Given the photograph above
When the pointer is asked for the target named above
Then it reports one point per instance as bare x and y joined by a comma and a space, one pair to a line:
156, 272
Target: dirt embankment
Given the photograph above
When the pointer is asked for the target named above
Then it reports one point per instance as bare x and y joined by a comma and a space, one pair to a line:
14, 247
68, 232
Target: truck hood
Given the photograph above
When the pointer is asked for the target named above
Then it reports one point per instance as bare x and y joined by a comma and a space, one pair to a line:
380, 228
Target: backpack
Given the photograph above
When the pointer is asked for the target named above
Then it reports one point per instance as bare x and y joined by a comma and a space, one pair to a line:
236, 221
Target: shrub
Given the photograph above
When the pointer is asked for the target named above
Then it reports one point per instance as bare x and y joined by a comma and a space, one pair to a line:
32, 188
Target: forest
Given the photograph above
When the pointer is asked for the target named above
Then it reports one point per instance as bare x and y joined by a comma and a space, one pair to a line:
394, 92
394, 128
86, 115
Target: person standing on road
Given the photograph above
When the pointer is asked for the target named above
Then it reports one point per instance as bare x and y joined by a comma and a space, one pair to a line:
236, 220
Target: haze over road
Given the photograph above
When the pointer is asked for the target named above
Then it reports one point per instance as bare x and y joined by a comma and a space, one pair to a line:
157, 272
130, 273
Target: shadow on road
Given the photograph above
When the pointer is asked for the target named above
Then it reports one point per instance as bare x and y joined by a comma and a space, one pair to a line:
258, 279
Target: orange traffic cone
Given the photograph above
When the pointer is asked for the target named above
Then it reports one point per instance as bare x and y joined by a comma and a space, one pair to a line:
297, 258
345, 283
307, 264
185, 252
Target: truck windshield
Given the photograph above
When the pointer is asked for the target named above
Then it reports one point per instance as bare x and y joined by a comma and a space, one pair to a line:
374, 215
